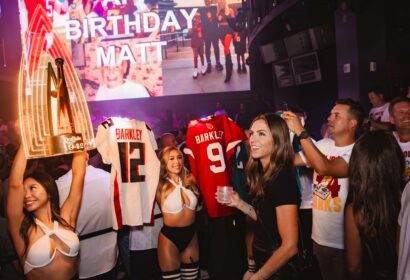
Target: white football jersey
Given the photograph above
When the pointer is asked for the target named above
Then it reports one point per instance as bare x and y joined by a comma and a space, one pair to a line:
129, 146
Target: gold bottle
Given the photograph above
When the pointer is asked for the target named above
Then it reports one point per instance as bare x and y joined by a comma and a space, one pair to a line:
63, 138
53, 111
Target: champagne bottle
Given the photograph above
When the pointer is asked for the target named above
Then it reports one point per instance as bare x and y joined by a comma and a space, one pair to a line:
65, 114
63, 137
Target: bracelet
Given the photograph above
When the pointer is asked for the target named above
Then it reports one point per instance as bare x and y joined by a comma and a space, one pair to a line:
249, 210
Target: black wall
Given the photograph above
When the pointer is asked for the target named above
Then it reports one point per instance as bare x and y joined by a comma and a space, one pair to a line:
315, 98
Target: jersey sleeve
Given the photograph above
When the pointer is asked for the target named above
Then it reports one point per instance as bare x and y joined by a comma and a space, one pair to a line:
233, 135
102, 140
189, 151
152, 138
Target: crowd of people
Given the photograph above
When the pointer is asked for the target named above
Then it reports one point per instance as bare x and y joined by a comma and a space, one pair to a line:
342, 200
218, 24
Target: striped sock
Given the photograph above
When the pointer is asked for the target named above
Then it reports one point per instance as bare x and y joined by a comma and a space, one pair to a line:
171, 275
251, 265
190, 271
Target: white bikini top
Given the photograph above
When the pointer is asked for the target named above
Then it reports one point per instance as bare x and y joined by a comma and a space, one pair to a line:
174, 203
39, 253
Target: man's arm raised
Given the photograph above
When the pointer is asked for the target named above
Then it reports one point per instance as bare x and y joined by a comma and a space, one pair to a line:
337, 167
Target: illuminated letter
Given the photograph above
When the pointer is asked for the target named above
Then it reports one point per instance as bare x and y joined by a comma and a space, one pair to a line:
106, 58
126, 54
142, 46
128, 24
159, 49
170, 20
189, 17
97, 24
146, 18
72, 29
114, 20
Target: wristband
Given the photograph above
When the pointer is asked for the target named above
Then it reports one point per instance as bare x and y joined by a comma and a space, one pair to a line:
304, 135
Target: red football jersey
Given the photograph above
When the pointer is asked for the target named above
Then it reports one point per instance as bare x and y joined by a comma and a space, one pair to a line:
209, 145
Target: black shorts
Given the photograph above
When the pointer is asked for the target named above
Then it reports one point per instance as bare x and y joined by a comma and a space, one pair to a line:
180, 236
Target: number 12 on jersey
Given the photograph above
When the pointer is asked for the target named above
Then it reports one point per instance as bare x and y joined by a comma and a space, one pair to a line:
132, 158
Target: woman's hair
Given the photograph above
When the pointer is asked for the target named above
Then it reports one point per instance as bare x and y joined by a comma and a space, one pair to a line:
50, 186
376, 170
282, 155
188, 180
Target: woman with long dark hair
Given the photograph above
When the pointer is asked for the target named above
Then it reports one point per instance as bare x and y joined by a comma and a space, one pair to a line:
42, 232
177, 196
376, 171
275, 193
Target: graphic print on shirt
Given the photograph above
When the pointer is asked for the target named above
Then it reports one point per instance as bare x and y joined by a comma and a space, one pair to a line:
405, 148
380, 114
326, 194
377, 116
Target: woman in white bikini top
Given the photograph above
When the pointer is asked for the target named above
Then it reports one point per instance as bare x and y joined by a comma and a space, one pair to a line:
48, 245
177, 196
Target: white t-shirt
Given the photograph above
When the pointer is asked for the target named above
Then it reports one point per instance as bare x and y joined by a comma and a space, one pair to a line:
127, 90
146, 237
380, 114
129, 146
403, 270
329, 198
305, 179
405, 147
98, 254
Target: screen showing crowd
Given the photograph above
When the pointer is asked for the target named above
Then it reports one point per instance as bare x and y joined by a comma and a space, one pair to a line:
125, 49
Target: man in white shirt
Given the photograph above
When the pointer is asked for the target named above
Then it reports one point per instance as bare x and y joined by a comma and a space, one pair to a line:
379, 114
98, 242
329, 159
400, 117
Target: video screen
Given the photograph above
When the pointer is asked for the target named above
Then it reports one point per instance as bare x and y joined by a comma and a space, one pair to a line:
127, 49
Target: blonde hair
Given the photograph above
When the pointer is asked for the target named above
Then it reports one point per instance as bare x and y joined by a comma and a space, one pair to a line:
187, 179
223, 5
